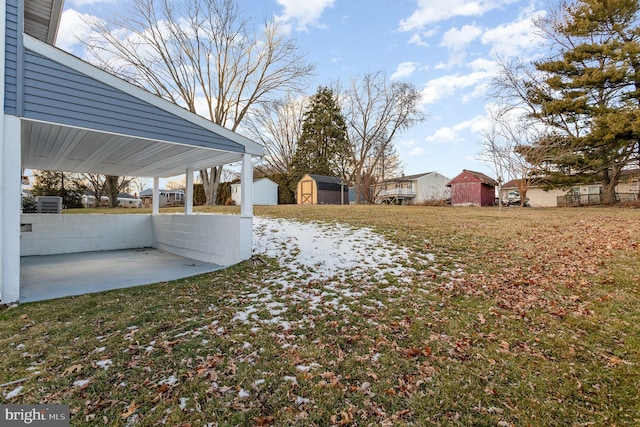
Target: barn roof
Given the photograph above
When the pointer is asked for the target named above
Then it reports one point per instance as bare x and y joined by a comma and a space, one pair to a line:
479, 177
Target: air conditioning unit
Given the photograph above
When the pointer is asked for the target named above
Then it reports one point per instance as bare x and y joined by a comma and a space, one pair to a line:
49, 204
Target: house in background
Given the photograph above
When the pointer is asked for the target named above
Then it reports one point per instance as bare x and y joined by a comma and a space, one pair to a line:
320, 189
125, 200
61, 113
537, 196
265, 192
627, 190
472, 189
166, 198
414, 189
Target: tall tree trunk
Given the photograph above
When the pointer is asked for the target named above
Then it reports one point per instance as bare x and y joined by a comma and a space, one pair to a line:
358, 188
210, 181
609, 184
112, 190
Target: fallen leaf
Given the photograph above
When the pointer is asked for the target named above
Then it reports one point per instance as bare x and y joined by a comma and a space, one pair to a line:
71, 369
263, 421
133, 406
344, 417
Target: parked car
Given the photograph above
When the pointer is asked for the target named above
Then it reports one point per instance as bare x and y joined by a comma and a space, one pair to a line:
514, 199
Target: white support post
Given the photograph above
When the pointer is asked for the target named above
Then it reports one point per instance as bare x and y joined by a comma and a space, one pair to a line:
188, 203
246, 188
155, 203
10, 209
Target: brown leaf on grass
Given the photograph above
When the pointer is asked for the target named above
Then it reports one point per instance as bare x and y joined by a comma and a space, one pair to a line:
168, 345
372, 375
412, 352
481, 319
263, 421
344, 417
72, 369
133, 406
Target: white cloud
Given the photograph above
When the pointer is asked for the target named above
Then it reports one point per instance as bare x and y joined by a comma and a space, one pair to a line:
514, 37
302, 14
416, 151
73, 28
404, 70
80, 3
417, 38
432, 11
451, 134
457, 39
443, 86
483, 64
408, 143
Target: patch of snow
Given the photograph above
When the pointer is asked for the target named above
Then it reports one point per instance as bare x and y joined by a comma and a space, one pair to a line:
80, 383
13, 393
327, 251
172, 380
301, 400
290, 379
243, 394
104, 364
183, 402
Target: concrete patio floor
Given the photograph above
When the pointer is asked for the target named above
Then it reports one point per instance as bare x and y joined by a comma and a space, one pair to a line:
55, 276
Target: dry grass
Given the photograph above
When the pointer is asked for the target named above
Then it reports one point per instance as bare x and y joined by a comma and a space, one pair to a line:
525, 317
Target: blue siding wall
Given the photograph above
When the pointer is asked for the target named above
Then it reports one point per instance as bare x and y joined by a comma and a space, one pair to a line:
58, 94
11, 57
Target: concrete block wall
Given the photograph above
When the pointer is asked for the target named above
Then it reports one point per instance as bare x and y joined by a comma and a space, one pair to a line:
219, 239
58, 234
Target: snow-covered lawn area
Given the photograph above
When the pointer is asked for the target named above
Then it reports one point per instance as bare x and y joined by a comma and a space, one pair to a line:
324, 268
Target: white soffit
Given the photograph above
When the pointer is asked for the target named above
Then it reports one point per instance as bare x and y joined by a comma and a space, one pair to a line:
47, 146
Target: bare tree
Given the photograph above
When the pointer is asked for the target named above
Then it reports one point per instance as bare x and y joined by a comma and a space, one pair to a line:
508, 147
377, 111
139, 184
114, 185
278, 126
177, 183
202, 55
95, 183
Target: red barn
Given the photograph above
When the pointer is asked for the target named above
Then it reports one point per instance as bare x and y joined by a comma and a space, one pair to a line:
472, 189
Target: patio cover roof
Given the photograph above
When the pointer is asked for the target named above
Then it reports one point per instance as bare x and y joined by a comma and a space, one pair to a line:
52, 146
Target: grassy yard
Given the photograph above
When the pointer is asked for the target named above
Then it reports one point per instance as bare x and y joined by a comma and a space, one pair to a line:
523, 317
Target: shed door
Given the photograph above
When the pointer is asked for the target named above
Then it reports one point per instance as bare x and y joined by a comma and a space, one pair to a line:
306, 190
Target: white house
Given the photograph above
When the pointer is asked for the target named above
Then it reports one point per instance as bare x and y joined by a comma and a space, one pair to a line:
166, 198
61, 113
414, 189
265, 192
124, 201
627, 190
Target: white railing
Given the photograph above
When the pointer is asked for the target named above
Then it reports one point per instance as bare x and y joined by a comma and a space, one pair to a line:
397, 192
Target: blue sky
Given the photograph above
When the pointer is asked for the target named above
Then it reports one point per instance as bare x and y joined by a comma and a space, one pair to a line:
448, 49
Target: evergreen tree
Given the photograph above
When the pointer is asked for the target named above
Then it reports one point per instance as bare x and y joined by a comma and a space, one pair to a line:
323, 146
589, 94
62, 184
